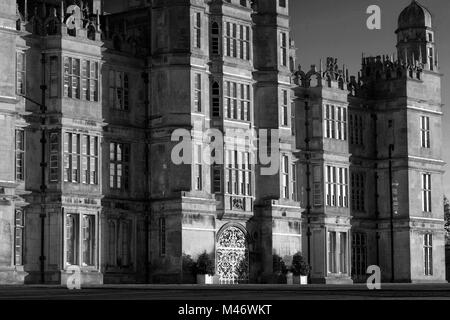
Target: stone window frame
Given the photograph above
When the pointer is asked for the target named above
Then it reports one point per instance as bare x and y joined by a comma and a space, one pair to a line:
426, 192
425, 132
357, 181
119, 90
335, 122
81, 83
21, 74
76, 234
237, 99
428, 254
74, 159
283, 45
359, 254
20, 150
19, 236
237, 40
284, 108
119, 166
336, 186
197, 28
198, 92
238, 173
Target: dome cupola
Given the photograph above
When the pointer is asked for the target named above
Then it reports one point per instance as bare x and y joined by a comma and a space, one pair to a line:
415, 16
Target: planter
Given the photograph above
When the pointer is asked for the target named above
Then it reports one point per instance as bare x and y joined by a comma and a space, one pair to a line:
302, 280
205, 279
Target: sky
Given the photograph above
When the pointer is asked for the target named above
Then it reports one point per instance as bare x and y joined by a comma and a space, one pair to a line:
332, 28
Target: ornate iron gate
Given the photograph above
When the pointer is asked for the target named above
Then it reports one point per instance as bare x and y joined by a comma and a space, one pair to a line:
232, 256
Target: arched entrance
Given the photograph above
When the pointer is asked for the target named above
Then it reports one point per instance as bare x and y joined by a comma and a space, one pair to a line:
232, 256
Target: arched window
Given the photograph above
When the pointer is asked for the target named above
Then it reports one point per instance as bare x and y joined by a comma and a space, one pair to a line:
215, 100
215, 38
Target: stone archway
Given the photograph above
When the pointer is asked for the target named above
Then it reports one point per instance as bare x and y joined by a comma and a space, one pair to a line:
232, 257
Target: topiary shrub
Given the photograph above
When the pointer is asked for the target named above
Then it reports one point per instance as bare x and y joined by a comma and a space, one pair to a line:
299, 266
205, 265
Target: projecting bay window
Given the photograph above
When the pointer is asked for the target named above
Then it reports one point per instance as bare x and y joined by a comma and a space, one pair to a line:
335, 122
237, 101
336, 181
20, 73
426, 192
238, 173
20, 155
428, 254
81, 79
80, 235
237, 41
119, 91
425, 133
80, 158
337, 252
119, 162
18, 237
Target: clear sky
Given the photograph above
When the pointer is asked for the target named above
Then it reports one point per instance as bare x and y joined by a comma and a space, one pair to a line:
332, 28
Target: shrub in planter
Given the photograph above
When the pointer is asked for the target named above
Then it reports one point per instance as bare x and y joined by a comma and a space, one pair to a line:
204, 268
300, 268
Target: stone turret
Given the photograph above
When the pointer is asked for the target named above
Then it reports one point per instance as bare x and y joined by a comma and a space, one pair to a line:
415, 37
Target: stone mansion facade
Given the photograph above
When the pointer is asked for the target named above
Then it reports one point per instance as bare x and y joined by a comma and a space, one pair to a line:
92, 91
